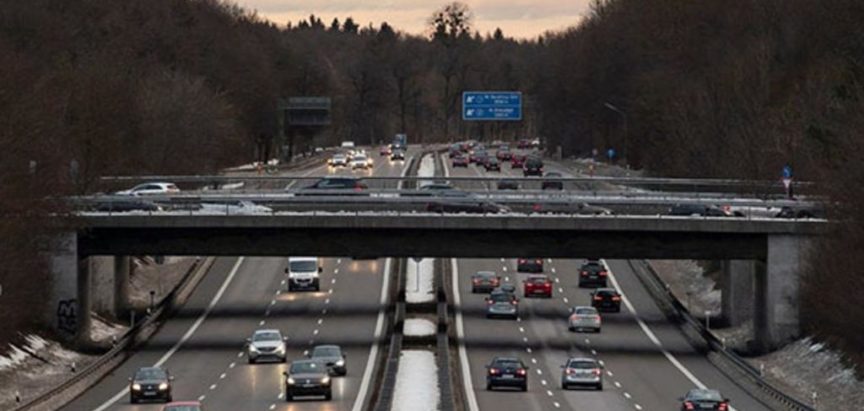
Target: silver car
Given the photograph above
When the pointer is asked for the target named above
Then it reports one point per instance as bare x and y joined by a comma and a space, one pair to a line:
502, 304
584, 318
264, 345
582, 371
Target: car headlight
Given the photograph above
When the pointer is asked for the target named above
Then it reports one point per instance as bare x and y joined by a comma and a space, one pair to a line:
136, 387
252, 348
325, 380
290, 381
340, 363
281, 349
163, 386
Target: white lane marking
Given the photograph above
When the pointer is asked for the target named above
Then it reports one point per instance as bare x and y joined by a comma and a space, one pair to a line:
627, 395
652, 336
553, 270
470, 395
557, 280
549, 393
502, 260
638, 407
617, 384
279, 396
222, 377
315, 332
232, 365
560, 290
185, 336
539, 372
556, 404
587, 341
338, 261
521, 329
239, 354
506, 278
327, 301
212, 387
609, 373
324, 311
543, 382
528, 350
260, 323
320, 320
593, 352
566, 300
534, 361
525, 339
201, 397
272, 406
273, 302
504, 268
373, 352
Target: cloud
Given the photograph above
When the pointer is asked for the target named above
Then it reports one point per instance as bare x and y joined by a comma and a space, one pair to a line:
518, 18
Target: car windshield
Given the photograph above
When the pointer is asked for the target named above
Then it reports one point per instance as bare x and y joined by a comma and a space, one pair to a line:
360, 158
150, 374
339, 157
326, 352
582, 364
305, 367
508, 364
592, 267
266, 336
606, 293
586, 311
709, 395
182, 408
486, 275
501, 297
537, 280
534, 163
308, 265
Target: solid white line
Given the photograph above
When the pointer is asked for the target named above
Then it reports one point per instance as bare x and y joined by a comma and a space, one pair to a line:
186, 336
470, 395
651, 336
373, 352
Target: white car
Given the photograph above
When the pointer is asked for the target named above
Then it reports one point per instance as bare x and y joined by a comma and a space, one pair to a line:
266, 344
304, 273
150, 189
347, 144
339, 160
361, 161
584, 318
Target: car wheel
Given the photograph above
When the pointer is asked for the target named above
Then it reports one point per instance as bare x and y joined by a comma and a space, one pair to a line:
251, 361
597, 330
133, 400
600, 387
565, 386
572, 329
488, 387
525, 387
170, 398
288, 397
328, 396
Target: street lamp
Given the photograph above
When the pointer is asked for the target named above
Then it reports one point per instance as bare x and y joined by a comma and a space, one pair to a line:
610, 106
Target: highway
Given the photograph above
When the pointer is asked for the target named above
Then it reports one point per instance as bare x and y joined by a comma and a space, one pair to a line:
203, 345
648, 362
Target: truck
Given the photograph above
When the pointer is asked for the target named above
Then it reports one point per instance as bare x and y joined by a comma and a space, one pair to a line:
304, 273
399, 141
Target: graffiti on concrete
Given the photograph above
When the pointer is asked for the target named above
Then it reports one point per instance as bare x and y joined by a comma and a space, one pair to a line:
67, 316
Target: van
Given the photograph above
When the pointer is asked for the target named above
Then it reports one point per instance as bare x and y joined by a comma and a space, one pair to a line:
347, 144
304, 273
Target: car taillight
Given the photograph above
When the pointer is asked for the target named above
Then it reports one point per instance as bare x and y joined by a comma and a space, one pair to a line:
569, 371
688, 405
574, 317
538, 261
547, 284
521, 371
597, 372
584, 273
476, 281
603, 273
521, 261
537, 207
723, 406
616, 298
495, 281
494, 371
598, 298
490, 302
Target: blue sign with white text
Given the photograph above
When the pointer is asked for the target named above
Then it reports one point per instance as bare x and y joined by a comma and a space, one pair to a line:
492, 105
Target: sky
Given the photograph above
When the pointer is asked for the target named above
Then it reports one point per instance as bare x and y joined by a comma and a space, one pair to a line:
523, 19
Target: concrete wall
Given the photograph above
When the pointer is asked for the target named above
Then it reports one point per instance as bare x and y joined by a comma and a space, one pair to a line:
777, 319
737, 292
63, 309
102, 284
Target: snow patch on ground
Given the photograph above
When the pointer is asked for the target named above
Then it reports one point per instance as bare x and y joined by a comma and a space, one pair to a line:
418, 327
689, 284
417, 382
806, 367
421, 291
426, 169
101, 330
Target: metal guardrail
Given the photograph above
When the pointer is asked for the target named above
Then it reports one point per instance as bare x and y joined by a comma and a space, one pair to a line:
658, 288
133, 336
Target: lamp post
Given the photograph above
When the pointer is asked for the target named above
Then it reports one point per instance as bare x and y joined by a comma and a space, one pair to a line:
612, 107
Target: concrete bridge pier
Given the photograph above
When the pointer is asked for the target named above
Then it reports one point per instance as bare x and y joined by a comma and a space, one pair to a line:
122, 272
85, 303
778, 281
737, 291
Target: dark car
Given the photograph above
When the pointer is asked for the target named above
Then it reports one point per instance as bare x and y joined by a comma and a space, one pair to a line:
397, 155
307, 377
503, 154
461, 202
538, 286
484, 282
508, 185
593, 274
455, 150
460, 161
434, 189
506, 288
800, 212
492, 164
533, 167
518, 160
698, 210
502, 304
523, 144
606, 300
704, 399
334, 186
150, 383
127, 204
477, 156
331, 356
565, 207
508, 372
582, 371
552, 184
529, 265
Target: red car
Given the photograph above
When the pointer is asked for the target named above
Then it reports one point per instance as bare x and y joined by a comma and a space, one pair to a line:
538, 286
523, 144
460, 161
517, 160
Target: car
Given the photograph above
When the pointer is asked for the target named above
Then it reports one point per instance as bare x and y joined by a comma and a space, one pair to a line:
307, 378
304, 273
533, 167
266, 345
385, 150
120, 205
529, 265
593, 274
508, 372
454, 150
700, 210
492, 163
584, 318
435, 189
502, 304
347, 144
537, 286
361, 161
150, 383
456, 201
338, 160
523, 144
565, 207
606, 300
485, 282
506, 288
477, 156
397, 155
704, 399
153, 188
800, 212
518, 160
183, 406
333, 357
582, 371
508, 185
333, 185
460, 161
552, 184
504, 154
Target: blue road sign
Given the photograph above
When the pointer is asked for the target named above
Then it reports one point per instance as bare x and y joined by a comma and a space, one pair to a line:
787, 171
610, 153
492, 106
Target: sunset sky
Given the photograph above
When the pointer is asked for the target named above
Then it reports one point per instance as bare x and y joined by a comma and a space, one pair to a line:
517, 18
